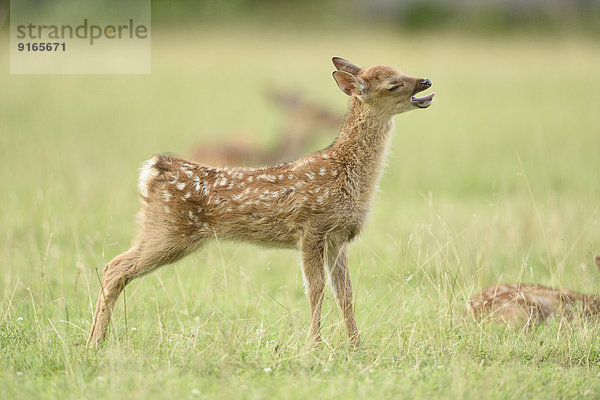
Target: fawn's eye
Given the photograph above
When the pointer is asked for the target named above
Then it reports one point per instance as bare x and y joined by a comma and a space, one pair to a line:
395, 87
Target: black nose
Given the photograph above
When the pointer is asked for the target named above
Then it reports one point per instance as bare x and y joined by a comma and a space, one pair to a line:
425, 82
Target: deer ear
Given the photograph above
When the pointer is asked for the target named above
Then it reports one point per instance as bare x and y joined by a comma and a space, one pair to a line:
349, 84
345, 65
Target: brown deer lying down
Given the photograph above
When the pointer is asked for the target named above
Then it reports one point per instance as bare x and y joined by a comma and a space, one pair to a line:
317, 204
521, 304
303, 121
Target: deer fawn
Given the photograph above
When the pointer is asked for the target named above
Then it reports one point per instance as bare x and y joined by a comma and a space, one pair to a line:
316, 204
529, 304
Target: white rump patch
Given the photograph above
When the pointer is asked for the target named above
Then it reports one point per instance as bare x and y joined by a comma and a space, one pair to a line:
147, 173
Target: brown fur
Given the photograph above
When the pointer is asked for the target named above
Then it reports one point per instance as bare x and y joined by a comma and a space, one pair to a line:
316, 204
518, 304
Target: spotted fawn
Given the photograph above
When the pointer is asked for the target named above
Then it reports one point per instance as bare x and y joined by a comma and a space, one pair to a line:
316, 204
522, 304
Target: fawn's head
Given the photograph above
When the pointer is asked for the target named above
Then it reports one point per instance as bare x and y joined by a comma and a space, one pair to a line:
384, 88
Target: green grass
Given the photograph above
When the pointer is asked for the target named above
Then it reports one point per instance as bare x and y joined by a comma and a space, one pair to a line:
498, 180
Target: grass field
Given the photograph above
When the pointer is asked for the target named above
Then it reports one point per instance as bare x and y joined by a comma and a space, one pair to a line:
497, 181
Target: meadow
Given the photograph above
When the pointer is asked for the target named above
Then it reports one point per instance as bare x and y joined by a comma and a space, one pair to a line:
497, 181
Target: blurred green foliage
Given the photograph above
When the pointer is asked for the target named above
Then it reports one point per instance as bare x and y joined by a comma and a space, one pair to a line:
491, 16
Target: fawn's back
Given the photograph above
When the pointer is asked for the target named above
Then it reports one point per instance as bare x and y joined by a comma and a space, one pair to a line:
271, 205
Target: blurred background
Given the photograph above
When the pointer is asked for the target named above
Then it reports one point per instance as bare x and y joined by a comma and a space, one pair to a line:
497, 180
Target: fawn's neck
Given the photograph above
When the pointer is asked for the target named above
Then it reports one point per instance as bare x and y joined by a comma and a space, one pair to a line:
361, 145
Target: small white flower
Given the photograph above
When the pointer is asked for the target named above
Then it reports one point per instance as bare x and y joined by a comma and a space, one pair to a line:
268, 370
19, 373
20, 319
195, 392
133, 329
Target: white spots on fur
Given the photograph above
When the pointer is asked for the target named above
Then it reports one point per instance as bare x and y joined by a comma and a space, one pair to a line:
147, 173
223, 181
280, 177
237, 197
320, 199
197, 183
310, 175
186, 196
191, 216
322, 171
173, 180
205, 188
250, 178
334, 172
265, 177
188, 165
180, 185
166, 209
166, 195
230, 185
188, 173
290, 177
325, 156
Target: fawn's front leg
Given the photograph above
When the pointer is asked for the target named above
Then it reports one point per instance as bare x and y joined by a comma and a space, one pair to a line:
341, 286
313, 270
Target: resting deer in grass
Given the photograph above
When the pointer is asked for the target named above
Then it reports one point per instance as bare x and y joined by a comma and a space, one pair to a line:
303, 121
529, 304
316, 204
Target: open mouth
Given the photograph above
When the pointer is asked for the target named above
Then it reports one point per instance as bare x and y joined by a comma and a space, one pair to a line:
422, 102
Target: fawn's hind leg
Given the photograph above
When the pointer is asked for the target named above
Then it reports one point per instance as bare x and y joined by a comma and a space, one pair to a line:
141, 259
341, 286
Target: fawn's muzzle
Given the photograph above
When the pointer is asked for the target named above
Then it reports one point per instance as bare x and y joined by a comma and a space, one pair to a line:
425, 101
425, 83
